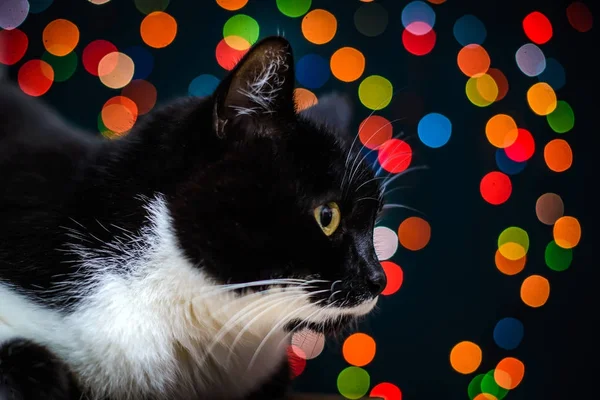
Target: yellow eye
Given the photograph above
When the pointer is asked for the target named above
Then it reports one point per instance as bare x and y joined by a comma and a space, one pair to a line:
328, 217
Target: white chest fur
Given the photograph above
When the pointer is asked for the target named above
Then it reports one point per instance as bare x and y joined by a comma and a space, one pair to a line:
149, 330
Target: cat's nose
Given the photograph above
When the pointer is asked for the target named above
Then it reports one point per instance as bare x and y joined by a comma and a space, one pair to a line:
376, 280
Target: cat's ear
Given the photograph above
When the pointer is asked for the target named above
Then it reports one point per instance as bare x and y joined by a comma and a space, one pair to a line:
333, 110
261, 86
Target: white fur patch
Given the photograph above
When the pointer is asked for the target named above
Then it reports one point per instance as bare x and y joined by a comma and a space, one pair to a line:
262, 91
148, 331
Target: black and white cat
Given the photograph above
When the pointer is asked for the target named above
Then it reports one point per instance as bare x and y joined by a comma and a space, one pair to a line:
174, 263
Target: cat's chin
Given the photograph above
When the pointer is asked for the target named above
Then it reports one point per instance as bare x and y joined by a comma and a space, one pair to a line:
328, 328
333, 320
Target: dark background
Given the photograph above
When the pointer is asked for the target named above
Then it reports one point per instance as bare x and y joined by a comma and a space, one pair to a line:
452, 290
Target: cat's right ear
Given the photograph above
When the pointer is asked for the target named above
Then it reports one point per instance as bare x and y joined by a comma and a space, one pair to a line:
259, 88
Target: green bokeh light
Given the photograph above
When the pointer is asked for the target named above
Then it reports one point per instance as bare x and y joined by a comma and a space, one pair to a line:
513, 243
294, 8
353, 382
558, 258
241, 26
64, 67
375, 92
562, 119
489, 386
475, 386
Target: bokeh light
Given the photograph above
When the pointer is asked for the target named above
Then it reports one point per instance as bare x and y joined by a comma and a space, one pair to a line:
530, 60
509, 373
580, 16
233, 5
473, 60
374, 131
203, 85
60, 37
304, 99
63, 67
386, 391
523, 148
495, 187
371, 19
418, 18
474, 388
558, 155
562, 119
241, 31
490, 389
38, 6
148, 6
434, 130
567, 232
501, 130
227, 56
142, 93
395, 277
541, 98
115, 70
537, 27
375, 92
465, 357
119, 114
557, 258
508, 333
319, 26
291, 8
142, 59
513, 243
158, 29
94, 52
296, 361
414, 233
419, 45
485, 396
469, 29
385, 241
535, 291
508, 166
359, 349
481, 90
312, 71
347, 64
509, 267
98, 2
353, 382
549, 207
35, 77
501, 82
310, 342
554, 74
13, 13
13, 46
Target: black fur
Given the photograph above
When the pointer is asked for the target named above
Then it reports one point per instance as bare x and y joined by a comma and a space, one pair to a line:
240, 188
31, 371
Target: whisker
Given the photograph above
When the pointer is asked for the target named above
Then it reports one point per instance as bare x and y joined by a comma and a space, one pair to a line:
253, 320
275, 328
356, 165
386, 183
390, 206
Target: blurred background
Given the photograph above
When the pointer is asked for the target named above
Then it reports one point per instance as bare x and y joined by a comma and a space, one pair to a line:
480, 112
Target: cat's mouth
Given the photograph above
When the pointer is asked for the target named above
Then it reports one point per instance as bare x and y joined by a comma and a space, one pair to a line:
331, 321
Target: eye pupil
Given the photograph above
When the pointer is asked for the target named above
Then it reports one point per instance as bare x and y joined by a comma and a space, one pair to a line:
326, 216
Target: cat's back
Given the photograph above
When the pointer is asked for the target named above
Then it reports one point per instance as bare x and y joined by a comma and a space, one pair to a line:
40, 154
41, 160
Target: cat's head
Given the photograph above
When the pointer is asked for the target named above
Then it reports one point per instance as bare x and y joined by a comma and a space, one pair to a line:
288, 200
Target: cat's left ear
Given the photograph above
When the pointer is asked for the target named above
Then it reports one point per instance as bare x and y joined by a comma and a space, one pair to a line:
260, 87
